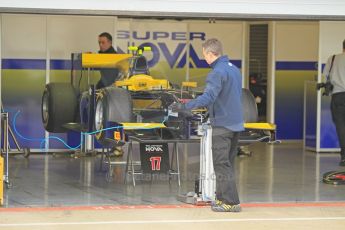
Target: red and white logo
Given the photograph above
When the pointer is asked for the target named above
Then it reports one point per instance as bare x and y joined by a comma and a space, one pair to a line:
155, 163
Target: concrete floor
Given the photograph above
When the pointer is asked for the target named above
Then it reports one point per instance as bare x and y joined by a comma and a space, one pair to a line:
284, 217
279, 186
274, 173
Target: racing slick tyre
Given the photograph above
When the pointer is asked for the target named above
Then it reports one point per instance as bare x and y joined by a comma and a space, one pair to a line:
250, 111
113, 105
59, 106
84, 109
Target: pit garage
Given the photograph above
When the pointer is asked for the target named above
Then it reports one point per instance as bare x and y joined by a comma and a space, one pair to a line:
75, 155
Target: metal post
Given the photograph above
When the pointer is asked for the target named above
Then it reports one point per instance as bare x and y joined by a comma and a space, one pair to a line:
127, 162
88, 142
208, 185
132, 164
178, 165
5, 144
1, 180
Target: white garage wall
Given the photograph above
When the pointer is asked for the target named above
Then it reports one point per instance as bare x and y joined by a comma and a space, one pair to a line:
297, 41
23, 36
229, 32
296, 52
200, 7
332, 35
23, 44
75, 34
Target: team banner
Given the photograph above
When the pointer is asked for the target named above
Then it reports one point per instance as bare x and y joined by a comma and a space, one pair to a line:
176, 46
154, 158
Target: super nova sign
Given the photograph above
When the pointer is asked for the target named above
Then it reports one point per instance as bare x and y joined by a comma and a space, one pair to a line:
175, 56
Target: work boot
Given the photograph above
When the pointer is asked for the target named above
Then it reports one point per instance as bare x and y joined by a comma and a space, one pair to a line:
226, 208
216, 202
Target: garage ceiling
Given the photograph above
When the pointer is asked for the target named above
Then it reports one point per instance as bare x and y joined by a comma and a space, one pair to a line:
247, 9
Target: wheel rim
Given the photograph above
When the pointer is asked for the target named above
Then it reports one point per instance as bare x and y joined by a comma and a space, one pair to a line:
45, 107
99, 115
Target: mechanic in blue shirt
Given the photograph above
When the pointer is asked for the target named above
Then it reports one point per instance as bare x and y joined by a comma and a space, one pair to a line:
222, 97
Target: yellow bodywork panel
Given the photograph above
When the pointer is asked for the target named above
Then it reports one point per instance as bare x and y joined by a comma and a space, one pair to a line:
191, 84
143, 82
136, 48
263, 126
133, 126
146, 104
103, 60
199, 110
1, 180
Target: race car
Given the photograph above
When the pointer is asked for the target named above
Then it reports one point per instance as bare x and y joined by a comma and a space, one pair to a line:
138, 104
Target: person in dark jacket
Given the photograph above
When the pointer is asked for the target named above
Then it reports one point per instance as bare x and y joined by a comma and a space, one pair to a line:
222, 97
108, 75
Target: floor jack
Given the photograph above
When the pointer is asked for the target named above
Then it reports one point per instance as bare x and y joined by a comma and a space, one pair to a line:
205, 185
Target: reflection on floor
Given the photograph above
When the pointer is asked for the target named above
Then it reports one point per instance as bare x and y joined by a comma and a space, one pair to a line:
274, 173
